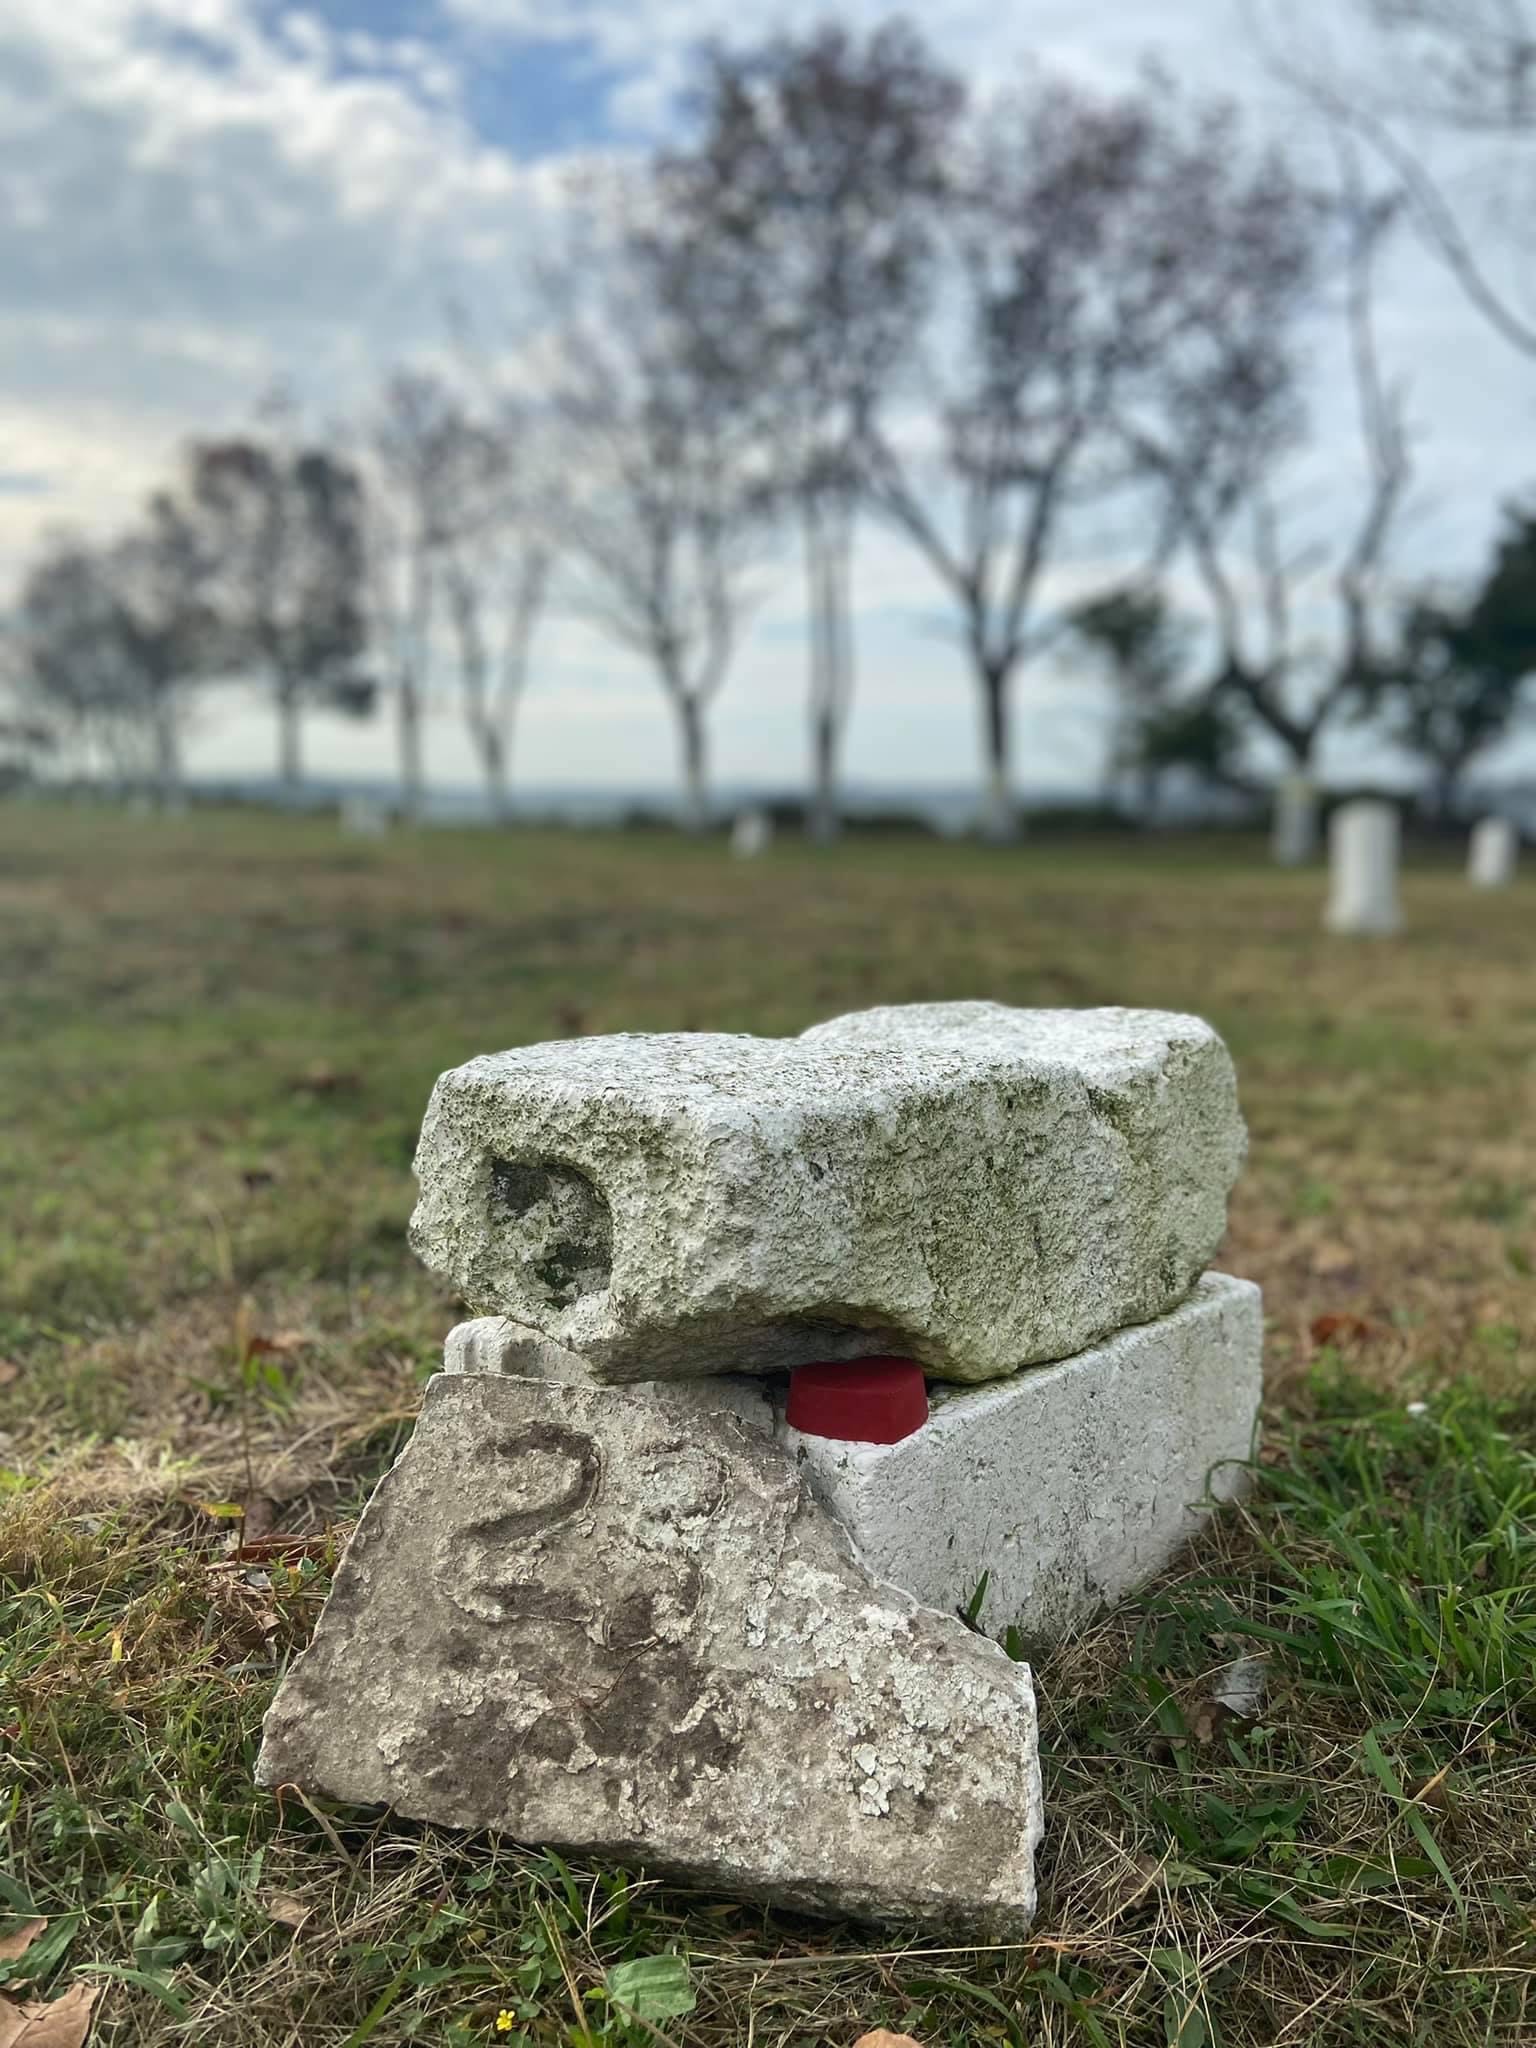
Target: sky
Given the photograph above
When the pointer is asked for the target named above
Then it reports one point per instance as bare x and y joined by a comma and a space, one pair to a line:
199, 198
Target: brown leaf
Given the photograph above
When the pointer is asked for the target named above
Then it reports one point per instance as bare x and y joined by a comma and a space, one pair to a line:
281, 1344
1433, 1791
1332, 1258
325, 1080
1206, 1720
260, 1517
883, 2038
64, 2023
14, 1946
284, 1549
9, 1370
1345, 1329
287, 1911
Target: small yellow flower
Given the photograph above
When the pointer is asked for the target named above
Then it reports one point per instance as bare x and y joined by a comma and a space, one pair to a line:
505, 2021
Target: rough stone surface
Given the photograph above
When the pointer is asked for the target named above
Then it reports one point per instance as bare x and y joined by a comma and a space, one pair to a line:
497, 1344
976, 1187
1363, 840
1069, 1485
616, 1622
493, 1344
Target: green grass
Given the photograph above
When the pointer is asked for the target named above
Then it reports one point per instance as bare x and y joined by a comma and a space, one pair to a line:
219, 1036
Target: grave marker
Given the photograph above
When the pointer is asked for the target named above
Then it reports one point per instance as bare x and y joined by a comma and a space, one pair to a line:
1363, 843
1493, 854
751, 834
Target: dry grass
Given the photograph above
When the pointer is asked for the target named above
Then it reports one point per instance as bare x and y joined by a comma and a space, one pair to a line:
220, 1035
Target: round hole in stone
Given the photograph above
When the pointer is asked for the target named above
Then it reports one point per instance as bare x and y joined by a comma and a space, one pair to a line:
560, 1226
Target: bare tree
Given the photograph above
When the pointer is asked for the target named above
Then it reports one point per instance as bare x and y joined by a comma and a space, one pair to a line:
113, 640
282, 528
666, 474
454, 552
1465, 69
814, 178
1217, 427
418, 441
1086, 241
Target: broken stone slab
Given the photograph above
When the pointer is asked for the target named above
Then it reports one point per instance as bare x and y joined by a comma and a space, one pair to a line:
615, 1622
497, 1344
1068, 1486
976, 1187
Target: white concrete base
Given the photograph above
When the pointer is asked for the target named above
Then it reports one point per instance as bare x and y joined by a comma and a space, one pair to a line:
1070, 1485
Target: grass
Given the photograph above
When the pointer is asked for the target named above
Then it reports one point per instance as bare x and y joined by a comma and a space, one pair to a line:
220, 1033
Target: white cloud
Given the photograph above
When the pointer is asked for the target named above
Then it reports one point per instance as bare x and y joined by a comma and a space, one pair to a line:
197, 204
200, 197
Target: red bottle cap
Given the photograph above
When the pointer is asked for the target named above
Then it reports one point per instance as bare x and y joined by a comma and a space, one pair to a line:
858, 1400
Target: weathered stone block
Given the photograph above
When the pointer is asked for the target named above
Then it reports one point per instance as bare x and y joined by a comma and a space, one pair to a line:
975, 1187
615, 1621
1069, 1485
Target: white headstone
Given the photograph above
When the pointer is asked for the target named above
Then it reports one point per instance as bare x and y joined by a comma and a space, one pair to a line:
1494, 851
1293, 839
363, 817
751, 835
1363, 852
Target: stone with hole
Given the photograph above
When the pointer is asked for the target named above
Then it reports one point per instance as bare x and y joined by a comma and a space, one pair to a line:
976, 1187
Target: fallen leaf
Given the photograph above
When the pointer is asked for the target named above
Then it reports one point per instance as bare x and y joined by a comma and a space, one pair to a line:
284, 1549
883, 2038
324, 1080
9, 1370
1131, 1884
1206, 1720
281, 1344
260, 1517
16, 1944
1332, 1258
288, 1911
62, 2024
1433, 1791
1345, 1329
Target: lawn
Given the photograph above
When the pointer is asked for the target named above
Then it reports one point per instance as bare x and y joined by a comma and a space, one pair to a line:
219, 1034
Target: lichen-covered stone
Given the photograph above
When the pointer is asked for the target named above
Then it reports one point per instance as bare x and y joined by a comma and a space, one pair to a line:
976, 1187
615, 1622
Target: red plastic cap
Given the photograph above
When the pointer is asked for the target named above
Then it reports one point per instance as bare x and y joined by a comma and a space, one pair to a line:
858, 1400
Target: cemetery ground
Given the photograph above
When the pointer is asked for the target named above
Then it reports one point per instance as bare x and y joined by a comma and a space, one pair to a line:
219, 1034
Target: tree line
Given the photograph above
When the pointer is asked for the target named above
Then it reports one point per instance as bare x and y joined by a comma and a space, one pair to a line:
1022, 332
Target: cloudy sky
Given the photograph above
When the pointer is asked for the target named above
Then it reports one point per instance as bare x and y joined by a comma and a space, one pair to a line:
198, 197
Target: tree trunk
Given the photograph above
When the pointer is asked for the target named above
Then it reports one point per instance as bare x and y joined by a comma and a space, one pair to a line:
824, 820
690, 727
1294, 835
828, 543
999, 813
167, 745
408, 734
1446, 787
493, 761
290, 755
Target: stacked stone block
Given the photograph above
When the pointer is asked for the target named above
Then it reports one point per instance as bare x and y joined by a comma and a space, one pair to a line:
610, 1600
